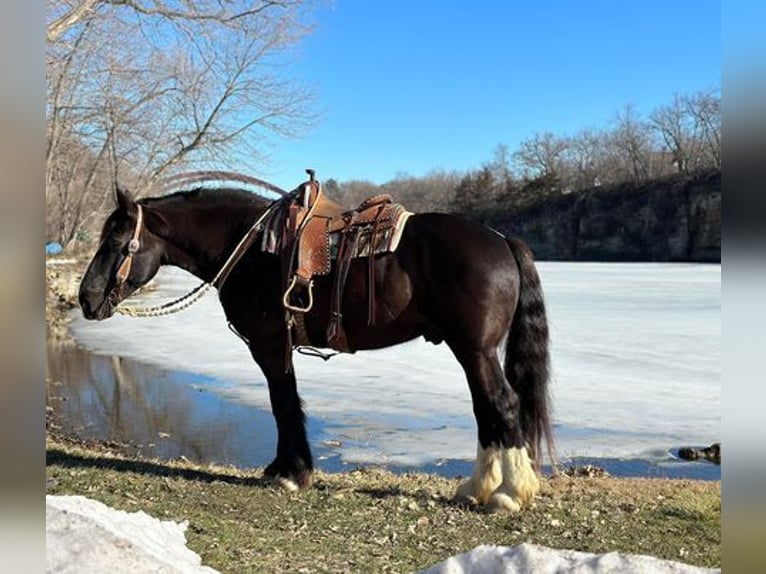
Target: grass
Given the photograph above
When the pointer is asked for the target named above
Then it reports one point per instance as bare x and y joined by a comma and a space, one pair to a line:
371, 520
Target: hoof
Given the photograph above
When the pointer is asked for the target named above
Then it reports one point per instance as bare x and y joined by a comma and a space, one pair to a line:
503, 480
289, 477
465, 494
286, 484
512, 498
500, 502
305, 479
485, 479
520, 481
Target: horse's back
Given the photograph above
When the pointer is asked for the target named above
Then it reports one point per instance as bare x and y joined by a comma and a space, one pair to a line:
447, 246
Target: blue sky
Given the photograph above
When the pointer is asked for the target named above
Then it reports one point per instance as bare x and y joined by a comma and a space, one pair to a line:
411, 86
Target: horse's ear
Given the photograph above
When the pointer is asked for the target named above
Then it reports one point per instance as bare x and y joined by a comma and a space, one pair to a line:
124, 198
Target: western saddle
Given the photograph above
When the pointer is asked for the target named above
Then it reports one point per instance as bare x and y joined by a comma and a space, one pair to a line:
309, 231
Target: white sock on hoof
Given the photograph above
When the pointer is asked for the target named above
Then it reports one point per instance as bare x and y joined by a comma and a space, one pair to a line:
520, 484
486, 476
500, 502
286, 484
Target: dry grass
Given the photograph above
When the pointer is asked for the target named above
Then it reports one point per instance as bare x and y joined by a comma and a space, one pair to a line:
373, 521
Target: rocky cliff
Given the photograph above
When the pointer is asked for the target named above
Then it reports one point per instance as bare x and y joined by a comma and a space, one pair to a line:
673, 219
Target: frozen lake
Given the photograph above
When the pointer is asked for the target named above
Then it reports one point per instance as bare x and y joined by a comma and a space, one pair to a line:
635, 352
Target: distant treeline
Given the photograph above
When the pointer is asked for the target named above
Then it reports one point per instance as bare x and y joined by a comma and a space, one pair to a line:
682, 137
675, 217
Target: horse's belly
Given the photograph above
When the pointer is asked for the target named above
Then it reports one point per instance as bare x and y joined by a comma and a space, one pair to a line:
377, 318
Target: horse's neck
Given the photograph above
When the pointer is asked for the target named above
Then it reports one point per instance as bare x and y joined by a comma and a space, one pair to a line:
203, 239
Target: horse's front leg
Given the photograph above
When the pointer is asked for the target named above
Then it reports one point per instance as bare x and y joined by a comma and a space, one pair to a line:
292, 466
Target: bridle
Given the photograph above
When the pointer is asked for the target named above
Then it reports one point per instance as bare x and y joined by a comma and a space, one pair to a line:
195, 294
124, 269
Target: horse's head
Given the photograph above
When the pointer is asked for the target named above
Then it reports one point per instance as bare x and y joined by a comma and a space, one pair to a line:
128, 256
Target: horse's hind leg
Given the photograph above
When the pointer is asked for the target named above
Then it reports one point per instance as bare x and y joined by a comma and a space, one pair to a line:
503, 477
486, 477
520, 484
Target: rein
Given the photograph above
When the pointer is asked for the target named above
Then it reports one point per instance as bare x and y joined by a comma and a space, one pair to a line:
195, 294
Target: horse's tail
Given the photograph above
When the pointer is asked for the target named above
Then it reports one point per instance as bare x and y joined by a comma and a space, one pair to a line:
527, 362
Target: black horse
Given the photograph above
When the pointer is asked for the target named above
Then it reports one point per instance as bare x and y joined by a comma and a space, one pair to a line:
451, 280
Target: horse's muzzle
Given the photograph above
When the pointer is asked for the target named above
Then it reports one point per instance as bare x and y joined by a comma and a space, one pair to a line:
94, 305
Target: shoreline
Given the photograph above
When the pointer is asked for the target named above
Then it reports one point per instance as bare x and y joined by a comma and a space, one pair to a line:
62, 281
217, 429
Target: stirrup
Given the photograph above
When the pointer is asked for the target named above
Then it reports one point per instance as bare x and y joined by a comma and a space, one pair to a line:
294, 308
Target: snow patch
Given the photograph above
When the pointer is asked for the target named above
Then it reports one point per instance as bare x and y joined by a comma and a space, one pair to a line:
526, 558
84, 535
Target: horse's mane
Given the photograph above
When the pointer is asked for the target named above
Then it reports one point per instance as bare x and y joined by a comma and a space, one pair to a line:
205, 195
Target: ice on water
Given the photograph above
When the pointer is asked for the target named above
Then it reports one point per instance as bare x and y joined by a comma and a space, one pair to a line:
635, 353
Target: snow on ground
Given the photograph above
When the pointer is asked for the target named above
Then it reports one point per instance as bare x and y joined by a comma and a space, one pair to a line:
84, 535
526, 558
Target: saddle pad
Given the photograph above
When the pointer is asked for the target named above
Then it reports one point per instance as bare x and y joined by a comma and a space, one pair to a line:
385, 240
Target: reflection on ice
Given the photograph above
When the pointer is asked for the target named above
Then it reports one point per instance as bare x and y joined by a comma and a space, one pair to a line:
635, 350
161, 414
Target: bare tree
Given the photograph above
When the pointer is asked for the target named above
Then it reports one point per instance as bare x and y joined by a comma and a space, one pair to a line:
677, 130
690, 129
63, 15
541, 156
433, 192
352, 193
586, 159
631, 144
705, 108
148, 87
500, 165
